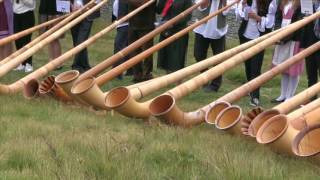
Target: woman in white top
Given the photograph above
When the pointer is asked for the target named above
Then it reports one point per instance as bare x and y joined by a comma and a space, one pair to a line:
258, 17
23, 18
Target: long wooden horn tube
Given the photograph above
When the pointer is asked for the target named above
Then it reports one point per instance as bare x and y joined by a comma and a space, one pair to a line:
65, 77
45, 34
123, 53
130, 63
157, 106
124, 101
5, 68
243, 90
279, 131
21, 34
306, 143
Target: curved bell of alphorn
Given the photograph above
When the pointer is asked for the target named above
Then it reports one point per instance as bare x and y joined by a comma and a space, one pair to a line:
120, 100
306, 143
31, 89
214, 111
48, 87
88, 91
65, 80
165, 108
229, 120
257, 121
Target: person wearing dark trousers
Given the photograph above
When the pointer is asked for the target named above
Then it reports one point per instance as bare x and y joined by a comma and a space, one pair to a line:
81, 33
139, 25
258, 18
312, 61
211, 34
120, 9
173, 57
23, 18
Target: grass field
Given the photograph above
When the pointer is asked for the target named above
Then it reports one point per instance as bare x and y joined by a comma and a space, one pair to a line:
45, 139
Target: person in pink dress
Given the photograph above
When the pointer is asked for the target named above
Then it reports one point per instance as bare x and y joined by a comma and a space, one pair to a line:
288, 12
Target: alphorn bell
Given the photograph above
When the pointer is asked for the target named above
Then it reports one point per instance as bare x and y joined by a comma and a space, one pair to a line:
163, 106
18, 85
83, 88
279, 131
67, 83
306, 142
238, 119
21, 34
43, 36
5, 68
124, 101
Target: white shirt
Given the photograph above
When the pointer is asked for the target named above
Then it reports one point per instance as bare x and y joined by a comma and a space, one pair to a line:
254, 28
210, 29
23, 6
269, 20
115, 10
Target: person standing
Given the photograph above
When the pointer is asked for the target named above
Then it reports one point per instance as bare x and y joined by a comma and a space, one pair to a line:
47, 12
258, 18
120, 9
139, 25
6, 27
288, 12
213, 33
81, 33
312, 61
23, 19
173, 57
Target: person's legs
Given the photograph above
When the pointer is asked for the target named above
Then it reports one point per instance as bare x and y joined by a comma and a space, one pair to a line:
147, 62
284, 87
81, 33
120, 42
54, 46
22, 22
201, 46
292, 86
255, 69
137, 69
312, 69
217, 46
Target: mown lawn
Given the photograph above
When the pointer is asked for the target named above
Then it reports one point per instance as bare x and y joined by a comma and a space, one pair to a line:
45, 139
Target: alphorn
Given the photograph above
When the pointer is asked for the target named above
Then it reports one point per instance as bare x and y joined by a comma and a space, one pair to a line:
5, 68
21, 34
282, 108
67, 79
164, 106
279, 131
44, 70
88, 89
43, 36
231, 118
306, 142
124, 101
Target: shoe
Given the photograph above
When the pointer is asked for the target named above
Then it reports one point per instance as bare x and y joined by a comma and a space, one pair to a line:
210, 88
254, 102
28, 68
147, 77
20, 68
276, 101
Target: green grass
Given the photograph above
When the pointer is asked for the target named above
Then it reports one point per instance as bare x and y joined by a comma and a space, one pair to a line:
45, 139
